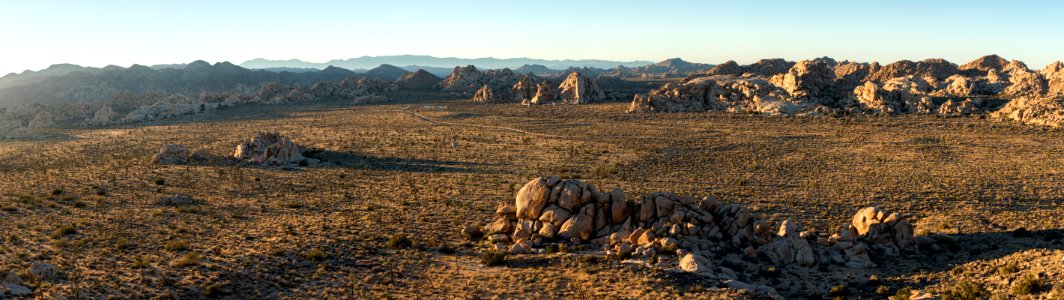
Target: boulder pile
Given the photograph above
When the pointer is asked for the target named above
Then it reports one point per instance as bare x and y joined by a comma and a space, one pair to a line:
1044, 111
171, 154
552, 209
575, 89
822, 85
269, 148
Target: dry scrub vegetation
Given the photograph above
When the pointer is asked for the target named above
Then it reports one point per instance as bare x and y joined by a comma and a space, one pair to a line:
89, 201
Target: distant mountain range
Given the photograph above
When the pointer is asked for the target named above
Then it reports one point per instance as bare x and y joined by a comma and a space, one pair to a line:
429, 63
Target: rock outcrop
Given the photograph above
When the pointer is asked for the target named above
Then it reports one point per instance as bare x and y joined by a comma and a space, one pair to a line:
825, 86
577, 89
729, 93
486, 94
418, 80
550, 208
171, 154
268, 148
1043, 111
525, 89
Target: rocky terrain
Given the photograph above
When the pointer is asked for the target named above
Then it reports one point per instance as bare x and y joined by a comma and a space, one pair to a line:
825, 86
444, 198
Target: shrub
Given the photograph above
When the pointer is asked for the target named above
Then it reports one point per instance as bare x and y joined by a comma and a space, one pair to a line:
493, 258
176, 245
883, 290
1007, 269
966, 290
160, 181
838, 291
902, 294
63, 230
189, 259
57, 192
316, 255
1026, 286
399, 241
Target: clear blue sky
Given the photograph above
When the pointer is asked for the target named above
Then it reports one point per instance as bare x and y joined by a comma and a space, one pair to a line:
36, 34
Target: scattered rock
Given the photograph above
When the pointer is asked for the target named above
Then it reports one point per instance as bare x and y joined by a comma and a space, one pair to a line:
43, 271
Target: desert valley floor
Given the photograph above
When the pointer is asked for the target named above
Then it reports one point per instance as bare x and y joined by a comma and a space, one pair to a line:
88, 200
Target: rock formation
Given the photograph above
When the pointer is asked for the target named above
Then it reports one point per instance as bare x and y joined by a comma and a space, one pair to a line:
822, 85
171, 154
1042, 111
551, 208
486, 94
467, 80
268, 149
729, 93
525, 89
418, 80
577, 89
545, 93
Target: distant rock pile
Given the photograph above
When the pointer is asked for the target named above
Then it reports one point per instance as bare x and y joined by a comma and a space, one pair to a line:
268, 148
575, 89
552, 209
468, 80
932, 86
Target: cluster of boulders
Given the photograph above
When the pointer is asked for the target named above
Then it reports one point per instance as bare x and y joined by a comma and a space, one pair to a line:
567, 210
269, 148
933, 86
264, 148
1042, 111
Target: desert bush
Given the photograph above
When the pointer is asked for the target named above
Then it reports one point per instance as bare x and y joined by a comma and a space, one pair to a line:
400, 241
189, 259
176, 245
63, 231
1026, 286
493, 258
316, 255
965, 290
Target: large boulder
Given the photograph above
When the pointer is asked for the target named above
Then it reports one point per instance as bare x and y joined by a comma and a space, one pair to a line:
577, 89
171, 154
269, 148
532, 198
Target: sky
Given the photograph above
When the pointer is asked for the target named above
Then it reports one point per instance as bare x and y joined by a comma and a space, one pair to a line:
36, 34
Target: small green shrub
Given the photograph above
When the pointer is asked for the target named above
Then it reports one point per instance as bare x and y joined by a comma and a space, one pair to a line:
838, 291
316, 255
160, 181
903, 294
1007, 269
493, 258
966, 290
63, 231
176, 245
400, 241
1026, 286
189, 259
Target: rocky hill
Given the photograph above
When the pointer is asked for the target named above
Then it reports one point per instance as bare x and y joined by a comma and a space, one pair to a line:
825, 86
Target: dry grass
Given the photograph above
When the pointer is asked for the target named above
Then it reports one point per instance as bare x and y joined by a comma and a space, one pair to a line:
387, 173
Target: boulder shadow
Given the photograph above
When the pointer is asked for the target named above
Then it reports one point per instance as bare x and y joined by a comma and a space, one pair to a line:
336, 159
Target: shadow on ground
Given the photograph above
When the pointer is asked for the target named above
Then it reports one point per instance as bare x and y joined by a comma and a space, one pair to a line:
330, 159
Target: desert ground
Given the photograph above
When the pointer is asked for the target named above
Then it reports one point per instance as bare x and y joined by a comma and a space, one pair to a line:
381, 216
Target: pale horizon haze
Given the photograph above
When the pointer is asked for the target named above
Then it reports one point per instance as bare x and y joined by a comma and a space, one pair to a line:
37, 34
